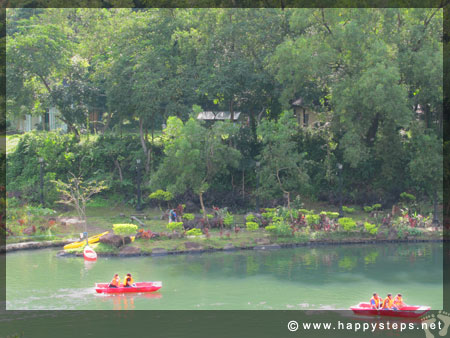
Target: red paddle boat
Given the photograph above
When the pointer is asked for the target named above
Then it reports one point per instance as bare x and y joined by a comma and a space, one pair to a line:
89, 254
411, 311
137, 287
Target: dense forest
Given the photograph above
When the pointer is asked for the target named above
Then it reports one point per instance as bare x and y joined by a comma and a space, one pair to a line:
373, 76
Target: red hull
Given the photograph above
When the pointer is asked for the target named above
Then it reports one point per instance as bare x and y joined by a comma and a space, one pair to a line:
140, 287
406, 311
89, 254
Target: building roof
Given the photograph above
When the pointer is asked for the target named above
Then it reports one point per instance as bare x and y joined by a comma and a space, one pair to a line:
297, 102
217, 116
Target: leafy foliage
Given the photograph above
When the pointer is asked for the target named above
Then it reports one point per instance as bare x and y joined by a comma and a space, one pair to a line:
175, 226
347, 223
251, 226
125, 229
194, 232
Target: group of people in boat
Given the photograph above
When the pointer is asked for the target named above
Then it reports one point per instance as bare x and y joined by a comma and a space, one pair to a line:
127, 281
388, 303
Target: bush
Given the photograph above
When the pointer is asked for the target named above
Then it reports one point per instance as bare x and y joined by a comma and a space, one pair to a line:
188, 217
228, 220
312, 219
125, 229
368, 209
371, 228
332, 214
250, 218
161, 195
376, 206
209, 216
252, 226
283, 229
347, 223
271, 228
175, 226
348, 210
407, 197
305, 211
194, 232
268, 215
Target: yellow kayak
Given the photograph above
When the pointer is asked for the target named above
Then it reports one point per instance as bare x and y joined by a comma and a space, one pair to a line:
92, 239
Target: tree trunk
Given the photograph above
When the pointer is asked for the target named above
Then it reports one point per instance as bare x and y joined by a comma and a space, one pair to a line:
231, 111
144, 145
116, 162
203, 207
289, 205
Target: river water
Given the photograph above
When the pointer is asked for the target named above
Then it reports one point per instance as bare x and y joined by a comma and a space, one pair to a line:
304, 278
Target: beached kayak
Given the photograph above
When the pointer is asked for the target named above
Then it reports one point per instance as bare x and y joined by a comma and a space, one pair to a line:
92, 239
139, 287
411, 311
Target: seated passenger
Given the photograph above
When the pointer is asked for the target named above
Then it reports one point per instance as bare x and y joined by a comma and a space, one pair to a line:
115, 281
128, 281
398, 301
388, 303
376, 301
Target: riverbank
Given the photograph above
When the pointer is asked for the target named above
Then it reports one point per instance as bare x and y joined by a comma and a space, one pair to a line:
205, 246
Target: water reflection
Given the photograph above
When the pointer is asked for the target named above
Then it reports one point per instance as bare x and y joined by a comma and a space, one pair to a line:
319, 262
127, 301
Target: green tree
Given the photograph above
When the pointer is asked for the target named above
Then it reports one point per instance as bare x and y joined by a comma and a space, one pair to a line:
195, 156
282, 166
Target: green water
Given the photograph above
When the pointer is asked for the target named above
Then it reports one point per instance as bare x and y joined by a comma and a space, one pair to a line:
305, 278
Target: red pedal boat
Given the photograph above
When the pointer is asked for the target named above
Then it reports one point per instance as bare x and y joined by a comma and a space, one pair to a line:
139, 287
411, 311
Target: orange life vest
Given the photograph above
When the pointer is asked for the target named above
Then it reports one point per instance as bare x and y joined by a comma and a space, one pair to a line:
388, 303
377, 301
398, 301
115, 281
128, 281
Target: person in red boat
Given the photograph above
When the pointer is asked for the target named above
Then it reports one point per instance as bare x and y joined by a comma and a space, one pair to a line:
128, 281
376, 301
388, 303
398, 301
115, 281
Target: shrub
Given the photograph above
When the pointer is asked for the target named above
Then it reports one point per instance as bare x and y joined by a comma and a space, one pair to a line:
283, 229
228, 220
407, 197
332, 214
252, 226
368, 208
188, 217
415, 231
271, 228
194, 232
312, 219
347, 223
161, 195
209, 216
125, 229
250, 218
348, 209
268, 215
305, 211
371, 228
175, 226
376, 206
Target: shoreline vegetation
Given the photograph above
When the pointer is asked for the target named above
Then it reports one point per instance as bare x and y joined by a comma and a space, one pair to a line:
221, 230
162, 252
